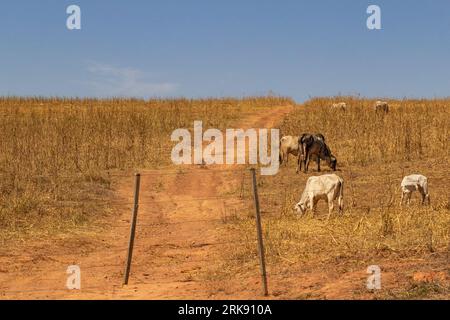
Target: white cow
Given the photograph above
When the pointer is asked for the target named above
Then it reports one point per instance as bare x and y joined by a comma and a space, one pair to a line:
328, 187
381, 106
288, 145
341, 106
414, 182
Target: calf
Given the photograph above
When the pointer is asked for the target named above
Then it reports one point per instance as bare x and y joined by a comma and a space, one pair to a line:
414, 182
328, 187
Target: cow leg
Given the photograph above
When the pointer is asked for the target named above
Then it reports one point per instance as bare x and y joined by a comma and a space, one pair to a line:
318, 164
313, 204
422, 193
304, 160
330, 208
330, 200
299, 163
401, 200
408, 199
307, 162
305, 156
283, 158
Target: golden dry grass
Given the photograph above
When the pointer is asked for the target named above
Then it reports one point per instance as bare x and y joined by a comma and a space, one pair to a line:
412, 130
374, 152
56, 153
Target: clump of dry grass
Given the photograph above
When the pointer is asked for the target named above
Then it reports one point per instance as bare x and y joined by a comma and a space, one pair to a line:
416, 291
411, 231
55, 153
354, 236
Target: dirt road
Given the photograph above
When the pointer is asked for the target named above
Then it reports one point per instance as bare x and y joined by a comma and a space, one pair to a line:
179, 238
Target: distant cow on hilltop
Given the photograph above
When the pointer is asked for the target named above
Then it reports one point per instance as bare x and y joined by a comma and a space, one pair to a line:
381, 107
341, 106
414, 182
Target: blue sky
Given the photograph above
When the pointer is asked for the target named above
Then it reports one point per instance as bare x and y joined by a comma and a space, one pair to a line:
205, 48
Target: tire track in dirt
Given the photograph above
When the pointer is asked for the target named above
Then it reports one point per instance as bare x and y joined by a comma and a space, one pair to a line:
178, 241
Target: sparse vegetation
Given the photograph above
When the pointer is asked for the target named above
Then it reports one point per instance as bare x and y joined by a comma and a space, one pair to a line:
416, 291
412, 130
374, 153
57, 156
56, 153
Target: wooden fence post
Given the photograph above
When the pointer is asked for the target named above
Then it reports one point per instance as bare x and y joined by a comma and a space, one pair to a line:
262, 262
133, 227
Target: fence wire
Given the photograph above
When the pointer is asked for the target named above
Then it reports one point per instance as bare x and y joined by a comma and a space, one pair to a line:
142, 260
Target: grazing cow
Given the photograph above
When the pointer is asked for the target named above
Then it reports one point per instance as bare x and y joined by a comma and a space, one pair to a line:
414, 182
341, 106
288, 145
313, 146
381, 106
328, 187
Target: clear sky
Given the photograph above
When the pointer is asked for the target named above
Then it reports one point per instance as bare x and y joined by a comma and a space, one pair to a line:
209, 48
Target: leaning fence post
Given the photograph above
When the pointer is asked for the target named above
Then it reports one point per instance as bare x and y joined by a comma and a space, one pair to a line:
262, 262
133, 227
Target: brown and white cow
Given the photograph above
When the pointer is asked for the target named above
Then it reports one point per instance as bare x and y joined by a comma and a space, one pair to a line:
313, 147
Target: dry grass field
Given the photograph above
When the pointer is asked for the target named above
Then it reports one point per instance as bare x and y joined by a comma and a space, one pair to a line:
374, 153
56, 154
61, 162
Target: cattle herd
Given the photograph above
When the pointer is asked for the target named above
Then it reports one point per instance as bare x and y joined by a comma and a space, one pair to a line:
330, 187
379, 107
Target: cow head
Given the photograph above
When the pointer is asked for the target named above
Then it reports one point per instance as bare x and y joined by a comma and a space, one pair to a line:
333, 162
300, 208
320, 136
306, 139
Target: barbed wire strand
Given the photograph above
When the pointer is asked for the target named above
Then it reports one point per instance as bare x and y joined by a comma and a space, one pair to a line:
124, 249
126, 203
143, 173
